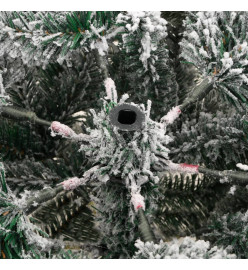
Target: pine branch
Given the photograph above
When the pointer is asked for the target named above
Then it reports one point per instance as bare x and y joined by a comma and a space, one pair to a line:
44, 196
59, 32
144, 227
101, 63
48, 194
21, 114
230, 176
206, 138
221, 53
240, 178
59, 215
198, 93
229, 230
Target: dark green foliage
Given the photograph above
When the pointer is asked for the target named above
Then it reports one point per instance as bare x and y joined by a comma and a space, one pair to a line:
46, 93
14, 226
67, 215
140, 84
17, 141
230, 231
185, 74
65, 80
60, 32
188, 200
209, 53
62, 98
68, 254
118, 224
207, 139
175, 18
113, 208
13, 242
13, 71
233, 202
35, 175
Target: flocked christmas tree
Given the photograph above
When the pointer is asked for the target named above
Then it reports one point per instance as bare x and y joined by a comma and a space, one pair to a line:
122, 134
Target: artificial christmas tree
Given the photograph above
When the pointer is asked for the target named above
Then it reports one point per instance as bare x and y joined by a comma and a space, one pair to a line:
123, 171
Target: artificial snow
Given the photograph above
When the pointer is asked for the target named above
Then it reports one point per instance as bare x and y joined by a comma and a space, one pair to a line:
3, 94
152, 29
146, 51
183, 167
63, 130
71, 183
209, 55
172, 115
242, 166
123, 98
184, 248
232, 190
227, 61
110, 90
138, 201
60, 129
